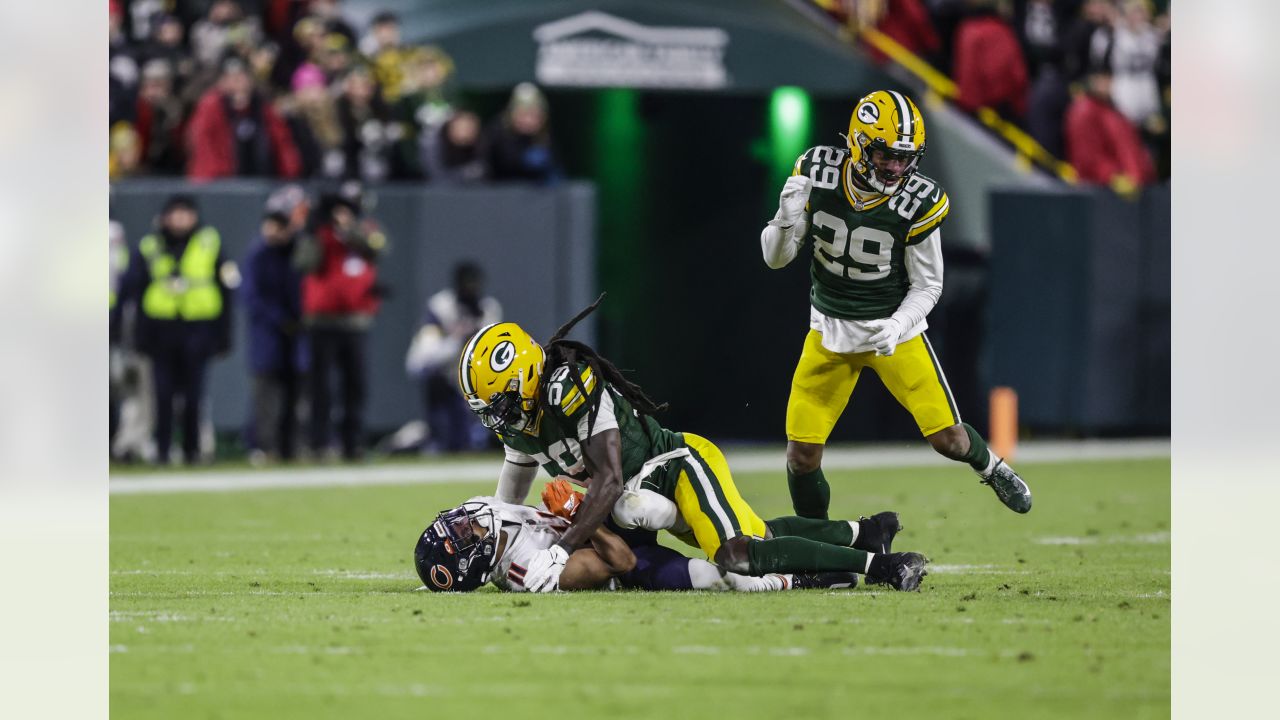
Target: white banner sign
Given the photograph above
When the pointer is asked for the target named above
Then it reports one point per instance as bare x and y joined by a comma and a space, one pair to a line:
599, 50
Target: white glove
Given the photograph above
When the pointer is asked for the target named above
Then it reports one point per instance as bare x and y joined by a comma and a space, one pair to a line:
795, 195
543, 573
885, 340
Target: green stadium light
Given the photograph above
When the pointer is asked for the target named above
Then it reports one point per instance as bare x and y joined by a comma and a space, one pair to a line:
790, 126
621, 169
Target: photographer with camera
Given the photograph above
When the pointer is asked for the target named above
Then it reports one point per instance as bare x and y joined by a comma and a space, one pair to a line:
340, 297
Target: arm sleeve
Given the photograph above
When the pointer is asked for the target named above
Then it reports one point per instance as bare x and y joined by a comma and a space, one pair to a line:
924, 271
781, 245
517, 476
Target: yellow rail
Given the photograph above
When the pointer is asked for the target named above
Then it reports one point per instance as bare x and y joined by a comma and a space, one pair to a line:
1028, 150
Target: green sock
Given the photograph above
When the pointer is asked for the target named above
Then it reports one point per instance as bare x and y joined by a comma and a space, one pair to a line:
795, 554
831, 532
978, 456
810, 493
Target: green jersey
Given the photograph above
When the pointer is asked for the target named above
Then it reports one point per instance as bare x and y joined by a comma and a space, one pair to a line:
554, 438
858, 270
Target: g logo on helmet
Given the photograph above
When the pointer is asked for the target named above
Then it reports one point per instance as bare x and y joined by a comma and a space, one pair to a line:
441, 577
502, 356
868, 113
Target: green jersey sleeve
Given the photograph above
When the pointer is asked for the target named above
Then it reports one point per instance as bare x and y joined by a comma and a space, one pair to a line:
932, 210
571, 408
822, 164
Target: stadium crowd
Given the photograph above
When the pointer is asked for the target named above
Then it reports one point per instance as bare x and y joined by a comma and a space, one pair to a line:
292, 89
1087, 79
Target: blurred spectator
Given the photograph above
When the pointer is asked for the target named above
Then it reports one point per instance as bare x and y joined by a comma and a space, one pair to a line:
300, 46
224, 24
121, 63
382, 47
124, 151
166, 43
1085, 41
118, 259
262, 63
519, 142
340, 298
272, 297
1040, 26
234, 131
1101, 143
335, 56
908, 23
367, 131
453, 154
131, 398
141, 17
1047, 105
451, 317
295, 203
987, 63
312, 116
159, 120
1162, 141
329, 12
178, 284
422, 108
1132, 49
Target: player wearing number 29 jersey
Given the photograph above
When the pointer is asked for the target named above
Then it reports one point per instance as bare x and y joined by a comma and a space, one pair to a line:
874, 225
860, 247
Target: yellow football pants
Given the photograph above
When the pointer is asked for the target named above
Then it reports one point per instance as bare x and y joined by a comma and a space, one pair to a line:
708, 499
824, 380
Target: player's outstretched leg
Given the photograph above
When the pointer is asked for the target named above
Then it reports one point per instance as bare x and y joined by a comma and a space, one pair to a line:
962, 442
660, 568
753, 556
873, 534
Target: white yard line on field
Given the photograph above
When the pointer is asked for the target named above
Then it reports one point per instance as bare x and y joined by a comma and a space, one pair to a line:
486, 471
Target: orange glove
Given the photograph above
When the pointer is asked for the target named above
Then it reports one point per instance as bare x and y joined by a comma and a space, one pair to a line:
561, 499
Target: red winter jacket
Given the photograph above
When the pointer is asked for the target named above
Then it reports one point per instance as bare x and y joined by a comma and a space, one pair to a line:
907, 22
211, 150
988, 66
1102, 143
343, 282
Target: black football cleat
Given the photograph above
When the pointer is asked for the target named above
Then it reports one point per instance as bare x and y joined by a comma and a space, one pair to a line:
876, 533
1010, 488
900, 571
824, 580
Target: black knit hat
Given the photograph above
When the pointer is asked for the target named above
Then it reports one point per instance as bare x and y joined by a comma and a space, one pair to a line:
180, 200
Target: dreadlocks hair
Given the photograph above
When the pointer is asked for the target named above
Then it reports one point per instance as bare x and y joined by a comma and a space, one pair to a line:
571, 352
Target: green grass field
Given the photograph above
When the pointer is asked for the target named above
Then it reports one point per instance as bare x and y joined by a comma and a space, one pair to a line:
300, 603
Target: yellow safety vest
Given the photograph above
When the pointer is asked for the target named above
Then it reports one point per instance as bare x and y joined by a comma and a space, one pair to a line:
190, 293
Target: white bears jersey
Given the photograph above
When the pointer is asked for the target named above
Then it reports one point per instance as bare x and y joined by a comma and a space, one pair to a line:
525, 532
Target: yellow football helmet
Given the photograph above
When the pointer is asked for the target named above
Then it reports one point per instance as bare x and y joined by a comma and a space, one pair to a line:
498, 373
888, 122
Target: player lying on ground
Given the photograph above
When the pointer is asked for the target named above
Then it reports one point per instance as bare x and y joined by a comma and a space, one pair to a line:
570, 411
874, 223
486, 540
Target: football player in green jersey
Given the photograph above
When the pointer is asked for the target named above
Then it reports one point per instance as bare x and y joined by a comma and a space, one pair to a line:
874, 224
569, 410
